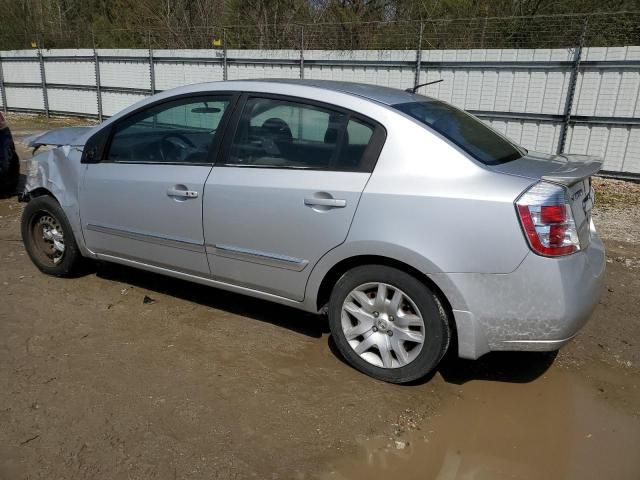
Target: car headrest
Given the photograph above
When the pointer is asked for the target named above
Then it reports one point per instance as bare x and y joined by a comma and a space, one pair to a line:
278, 128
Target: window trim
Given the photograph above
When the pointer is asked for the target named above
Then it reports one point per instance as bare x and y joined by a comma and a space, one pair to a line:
369, 156
105, 135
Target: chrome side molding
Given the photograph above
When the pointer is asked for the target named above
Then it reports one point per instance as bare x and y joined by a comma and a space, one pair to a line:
143, 237
258, 256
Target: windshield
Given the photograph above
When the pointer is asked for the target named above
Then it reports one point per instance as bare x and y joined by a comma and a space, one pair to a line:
466, 131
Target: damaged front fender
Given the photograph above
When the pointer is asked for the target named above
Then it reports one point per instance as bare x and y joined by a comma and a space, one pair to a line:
59, 171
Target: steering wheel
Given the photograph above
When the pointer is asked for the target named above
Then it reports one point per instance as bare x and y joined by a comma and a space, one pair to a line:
167, 146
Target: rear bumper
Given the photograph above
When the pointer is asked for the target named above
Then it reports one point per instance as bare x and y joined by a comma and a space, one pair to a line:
538, 307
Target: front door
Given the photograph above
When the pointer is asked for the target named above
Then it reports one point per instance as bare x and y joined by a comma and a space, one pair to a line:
286, 191
143, 201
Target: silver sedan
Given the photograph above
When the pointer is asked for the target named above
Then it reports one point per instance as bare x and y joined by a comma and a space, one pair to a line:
408, 221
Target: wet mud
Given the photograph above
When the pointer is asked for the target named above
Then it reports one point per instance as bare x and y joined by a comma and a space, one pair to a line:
554, 427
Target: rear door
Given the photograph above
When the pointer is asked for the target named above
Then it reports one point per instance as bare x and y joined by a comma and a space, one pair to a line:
143, 200
285, 191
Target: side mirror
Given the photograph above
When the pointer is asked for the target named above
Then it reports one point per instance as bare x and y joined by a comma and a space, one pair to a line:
94, 149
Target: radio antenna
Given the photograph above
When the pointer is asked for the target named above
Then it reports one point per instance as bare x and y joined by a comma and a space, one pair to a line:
413, 89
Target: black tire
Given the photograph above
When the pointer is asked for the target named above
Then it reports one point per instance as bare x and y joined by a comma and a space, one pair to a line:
14, 174
9, 167
437, 333
9, 174
70, 262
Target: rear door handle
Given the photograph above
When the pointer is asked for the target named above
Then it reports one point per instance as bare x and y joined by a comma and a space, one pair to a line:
178, 192
326, 202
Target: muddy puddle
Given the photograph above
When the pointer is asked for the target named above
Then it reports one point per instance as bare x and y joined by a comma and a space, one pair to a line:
554, 427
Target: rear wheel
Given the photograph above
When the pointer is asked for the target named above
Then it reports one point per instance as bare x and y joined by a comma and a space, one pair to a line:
48, 238
388, 324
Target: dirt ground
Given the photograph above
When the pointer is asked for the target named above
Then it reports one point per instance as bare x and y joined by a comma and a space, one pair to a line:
198, 383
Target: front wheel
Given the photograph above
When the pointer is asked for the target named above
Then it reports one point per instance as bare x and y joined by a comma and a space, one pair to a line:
48, 238
388, 324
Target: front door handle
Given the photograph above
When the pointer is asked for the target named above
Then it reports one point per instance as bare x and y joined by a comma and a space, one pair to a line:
182, 192
325, 202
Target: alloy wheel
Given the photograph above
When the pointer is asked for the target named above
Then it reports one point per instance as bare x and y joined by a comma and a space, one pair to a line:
382, 325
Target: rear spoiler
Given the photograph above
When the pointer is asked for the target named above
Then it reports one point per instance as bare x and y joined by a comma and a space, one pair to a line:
575, 170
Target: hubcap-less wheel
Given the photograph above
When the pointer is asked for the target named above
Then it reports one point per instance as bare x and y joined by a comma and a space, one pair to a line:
48, 238
383, 325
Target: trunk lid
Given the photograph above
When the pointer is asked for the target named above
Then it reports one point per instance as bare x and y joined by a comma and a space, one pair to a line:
572, 171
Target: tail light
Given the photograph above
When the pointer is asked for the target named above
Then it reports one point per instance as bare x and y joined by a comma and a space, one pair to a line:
547, 221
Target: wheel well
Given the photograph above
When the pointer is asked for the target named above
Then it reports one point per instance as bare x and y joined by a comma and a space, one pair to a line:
347, 264
37, 192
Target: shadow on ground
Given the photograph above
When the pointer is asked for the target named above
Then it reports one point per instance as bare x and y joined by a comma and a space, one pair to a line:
511, 367
507, 367
298, 321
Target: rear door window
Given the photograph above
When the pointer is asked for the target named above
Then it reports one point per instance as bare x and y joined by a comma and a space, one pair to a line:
466, 131
279, 133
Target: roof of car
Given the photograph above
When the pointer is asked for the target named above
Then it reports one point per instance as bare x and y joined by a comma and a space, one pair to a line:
385, 95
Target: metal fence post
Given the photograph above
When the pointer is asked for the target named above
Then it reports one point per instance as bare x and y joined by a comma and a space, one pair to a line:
573, 80
2, 90
152, 69
225, 75
416, 80
43, 78
96, 62
302, 51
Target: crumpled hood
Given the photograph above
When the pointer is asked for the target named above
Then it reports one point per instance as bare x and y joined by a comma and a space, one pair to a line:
72, 136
